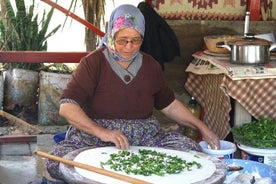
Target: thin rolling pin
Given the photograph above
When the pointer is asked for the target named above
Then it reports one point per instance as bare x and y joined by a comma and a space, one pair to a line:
91, 168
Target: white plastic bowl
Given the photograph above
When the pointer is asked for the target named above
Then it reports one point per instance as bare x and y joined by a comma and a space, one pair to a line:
266, 156
226, 151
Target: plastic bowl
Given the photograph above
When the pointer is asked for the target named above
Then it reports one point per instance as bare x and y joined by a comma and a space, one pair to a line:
212, 40
266, 156
255, 168
227, 149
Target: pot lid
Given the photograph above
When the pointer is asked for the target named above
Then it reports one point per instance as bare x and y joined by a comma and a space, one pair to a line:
249, 40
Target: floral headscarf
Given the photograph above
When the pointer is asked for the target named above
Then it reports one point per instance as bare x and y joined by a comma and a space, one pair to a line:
124, 16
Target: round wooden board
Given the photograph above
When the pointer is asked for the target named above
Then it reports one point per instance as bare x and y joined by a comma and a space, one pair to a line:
213, 170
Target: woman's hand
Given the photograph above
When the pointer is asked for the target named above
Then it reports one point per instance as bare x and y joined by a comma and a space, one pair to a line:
77, 117
178, 112
211, 138
116, 137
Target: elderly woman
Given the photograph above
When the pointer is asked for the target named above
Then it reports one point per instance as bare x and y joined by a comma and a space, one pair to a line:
112, 94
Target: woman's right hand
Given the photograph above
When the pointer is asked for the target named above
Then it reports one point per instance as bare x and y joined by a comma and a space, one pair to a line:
211, 138
115, 136
77, 117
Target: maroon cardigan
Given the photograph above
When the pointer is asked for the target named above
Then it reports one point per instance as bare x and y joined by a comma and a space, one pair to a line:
102, 94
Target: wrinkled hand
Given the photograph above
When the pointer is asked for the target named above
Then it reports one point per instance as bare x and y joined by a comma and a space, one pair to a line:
212, 139
115, 136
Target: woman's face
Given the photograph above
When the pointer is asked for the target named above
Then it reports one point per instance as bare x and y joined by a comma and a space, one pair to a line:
127, 42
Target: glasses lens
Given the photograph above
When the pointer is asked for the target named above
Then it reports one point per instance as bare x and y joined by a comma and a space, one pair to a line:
134, 41
121, 41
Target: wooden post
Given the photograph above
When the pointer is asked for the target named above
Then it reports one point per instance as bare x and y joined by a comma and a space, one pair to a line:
241, 115
255, 9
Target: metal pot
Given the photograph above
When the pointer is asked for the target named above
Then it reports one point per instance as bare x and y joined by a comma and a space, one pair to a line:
249, 50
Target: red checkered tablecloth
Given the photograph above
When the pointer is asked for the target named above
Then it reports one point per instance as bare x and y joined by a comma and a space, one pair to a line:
213, 92
214, 80
258, 97
215, 102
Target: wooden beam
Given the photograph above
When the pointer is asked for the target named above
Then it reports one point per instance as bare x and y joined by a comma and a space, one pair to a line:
40, 57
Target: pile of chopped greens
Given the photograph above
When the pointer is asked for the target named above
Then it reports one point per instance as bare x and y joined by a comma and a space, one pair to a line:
260, 133
148, 162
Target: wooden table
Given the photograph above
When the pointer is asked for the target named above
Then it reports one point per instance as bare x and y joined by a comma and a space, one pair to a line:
213, 81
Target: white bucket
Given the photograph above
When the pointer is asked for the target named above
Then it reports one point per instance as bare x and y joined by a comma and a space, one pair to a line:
266, 156
226, 151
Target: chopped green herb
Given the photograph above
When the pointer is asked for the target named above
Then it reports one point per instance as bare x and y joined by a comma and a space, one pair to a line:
148, 162
260, 133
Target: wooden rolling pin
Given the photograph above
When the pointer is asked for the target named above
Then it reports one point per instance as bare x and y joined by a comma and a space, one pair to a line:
92, 168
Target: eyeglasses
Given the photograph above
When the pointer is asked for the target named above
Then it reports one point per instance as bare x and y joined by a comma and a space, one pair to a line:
124, 41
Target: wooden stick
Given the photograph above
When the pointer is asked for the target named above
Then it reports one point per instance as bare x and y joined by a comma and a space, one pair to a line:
77, 18
92, 168
20, 122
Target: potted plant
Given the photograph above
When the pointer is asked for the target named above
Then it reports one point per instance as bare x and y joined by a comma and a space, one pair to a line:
20, 30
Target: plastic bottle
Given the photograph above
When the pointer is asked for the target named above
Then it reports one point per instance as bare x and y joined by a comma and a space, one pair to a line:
194, 107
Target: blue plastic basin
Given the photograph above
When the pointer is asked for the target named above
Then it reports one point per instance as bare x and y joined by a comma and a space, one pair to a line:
252, 167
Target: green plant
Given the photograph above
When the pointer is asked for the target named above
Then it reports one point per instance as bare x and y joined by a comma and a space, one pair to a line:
21, 30
94, 12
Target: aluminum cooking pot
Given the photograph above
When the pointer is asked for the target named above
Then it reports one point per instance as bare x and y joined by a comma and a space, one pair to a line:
249, 50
